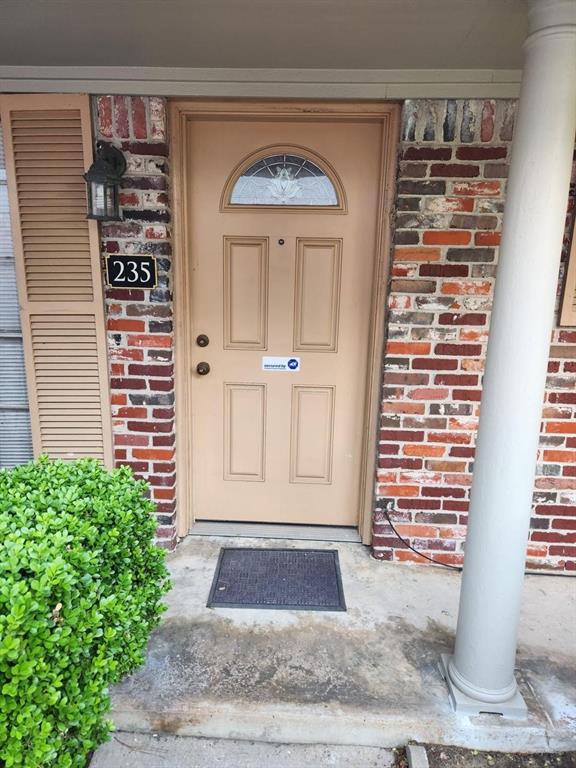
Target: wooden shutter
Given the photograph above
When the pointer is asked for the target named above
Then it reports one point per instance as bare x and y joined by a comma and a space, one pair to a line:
48, 147
568, 308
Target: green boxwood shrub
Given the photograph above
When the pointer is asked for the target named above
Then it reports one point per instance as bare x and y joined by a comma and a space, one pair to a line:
81, 584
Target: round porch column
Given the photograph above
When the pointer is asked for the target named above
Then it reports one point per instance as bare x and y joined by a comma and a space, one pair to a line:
482, 667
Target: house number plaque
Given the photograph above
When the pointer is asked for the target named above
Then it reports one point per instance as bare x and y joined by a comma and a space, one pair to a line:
131, 271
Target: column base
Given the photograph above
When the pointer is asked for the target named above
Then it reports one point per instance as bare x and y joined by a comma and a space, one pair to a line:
515, 707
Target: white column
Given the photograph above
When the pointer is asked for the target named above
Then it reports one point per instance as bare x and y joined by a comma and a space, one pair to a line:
481, 673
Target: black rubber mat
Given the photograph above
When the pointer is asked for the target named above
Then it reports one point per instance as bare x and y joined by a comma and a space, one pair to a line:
296, 579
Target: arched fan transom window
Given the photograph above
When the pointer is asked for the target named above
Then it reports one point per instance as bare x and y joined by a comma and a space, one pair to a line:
284, 179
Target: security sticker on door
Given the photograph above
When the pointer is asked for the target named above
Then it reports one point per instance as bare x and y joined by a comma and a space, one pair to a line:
281, 364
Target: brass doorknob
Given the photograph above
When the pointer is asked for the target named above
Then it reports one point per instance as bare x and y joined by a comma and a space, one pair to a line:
202, 369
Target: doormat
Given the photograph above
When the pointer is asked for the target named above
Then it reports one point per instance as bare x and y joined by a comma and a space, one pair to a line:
290, 579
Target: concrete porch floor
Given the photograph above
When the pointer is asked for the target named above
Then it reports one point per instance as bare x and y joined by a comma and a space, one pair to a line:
366, 677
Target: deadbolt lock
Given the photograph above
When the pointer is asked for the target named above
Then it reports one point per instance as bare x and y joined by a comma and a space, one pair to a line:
202, 340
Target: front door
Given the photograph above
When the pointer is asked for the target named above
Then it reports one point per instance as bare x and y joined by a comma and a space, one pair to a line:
282, 227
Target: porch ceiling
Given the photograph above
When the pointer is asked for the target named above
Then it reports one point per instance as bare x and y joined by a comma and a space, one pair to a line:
293, 34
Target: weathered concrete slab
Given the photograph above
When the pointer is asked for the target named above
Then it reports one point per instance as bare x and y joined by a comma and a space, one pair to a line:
133, 750
416, 756
366, 677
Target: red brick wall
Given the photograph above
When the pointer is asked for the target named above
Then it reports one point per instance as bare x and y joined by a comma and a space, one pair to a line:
454, 159
453, 163
140, 337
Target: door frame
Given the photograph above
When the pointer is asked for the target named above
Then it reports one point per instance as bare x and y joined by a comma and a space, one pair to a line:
181, 112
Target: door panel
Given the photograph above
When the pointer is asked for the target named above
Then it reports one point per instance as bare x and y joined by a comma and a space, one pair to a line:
245, 292
317, 294
280, 446
311, 439
244, 431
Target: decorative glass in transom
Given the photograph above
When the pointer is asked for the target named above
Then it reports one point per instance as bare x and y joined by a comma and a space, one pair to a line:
284, 180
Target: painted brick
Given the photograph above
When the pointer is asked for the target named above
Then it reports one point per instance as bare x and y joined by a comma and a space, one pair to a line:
417, 254
161, 385
136, 369
104, 116
410, 379
443, 270
428, 393
496, 171
399, 434
425, 450
125, 325
120, 111
148, 341
139, 117
446, 249
410, 504
414, 170
426, 422
408, 347
406, 238
447, 204
452, 380
396, 463
399, 490
467, 394
452, 438
471, 255
413, 286
435, 364
163, 493
164, 440
452, 492
427, 153
487, 120
487, 238
131, 412
125, 294
136, 124
449, 237
449, 232
139, 440
461, 451
127, 383
467, 318
481, 153
453, 170
477, 188
421, 187
469, 287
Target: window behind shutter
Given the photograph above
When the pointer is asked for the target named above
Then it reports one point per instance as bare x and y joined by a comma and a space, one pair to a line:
15, 435
48, 148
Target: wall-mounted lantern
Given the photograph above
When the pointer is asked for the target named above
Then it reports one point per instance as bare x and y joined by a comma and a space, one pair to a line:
103, 179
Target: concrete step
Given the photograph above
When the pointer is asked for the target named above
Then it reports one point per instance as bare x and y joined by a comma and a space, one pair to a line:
365, 677
140, 750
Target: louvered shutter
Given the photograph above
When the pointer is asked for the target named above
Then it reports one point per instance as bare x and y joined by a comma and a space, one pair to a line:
48, 148
568, 309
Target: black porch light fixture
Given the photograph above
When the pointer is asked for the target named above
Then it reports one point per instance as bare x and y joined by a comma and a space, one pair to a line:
103, 179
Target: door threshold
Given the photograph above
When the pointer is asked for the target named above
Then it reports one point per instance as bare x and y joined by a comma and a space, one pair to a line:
275, 531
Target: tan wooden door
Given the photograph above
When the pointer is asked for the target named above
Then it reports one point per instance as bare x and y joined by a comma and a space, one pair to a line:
285, 280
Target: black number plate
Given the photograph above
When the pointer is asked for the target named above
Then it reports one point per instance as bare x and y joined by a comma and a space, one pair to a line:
131, 271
